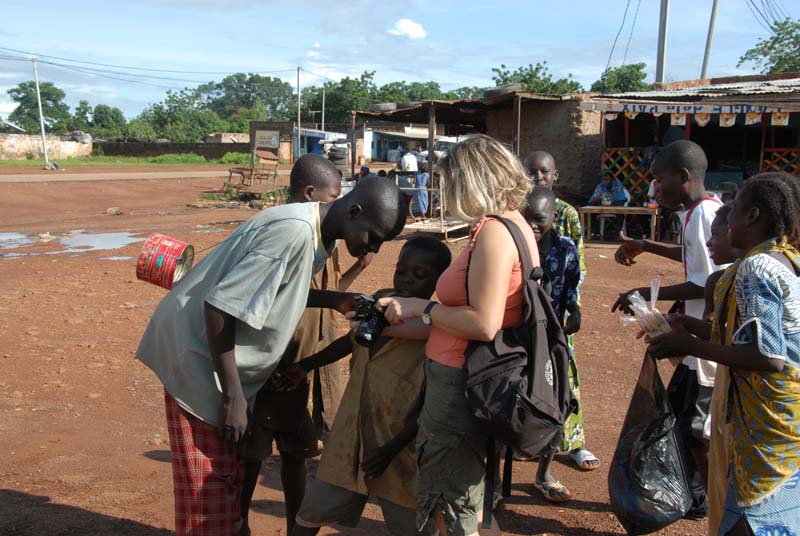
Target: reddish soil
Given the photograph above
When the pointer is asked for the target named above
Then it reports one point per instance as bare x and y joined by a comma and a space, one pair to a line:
85, 448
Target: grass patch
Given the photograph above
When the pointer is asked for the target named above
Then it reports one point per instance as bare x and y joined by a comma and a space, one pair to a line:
186, 159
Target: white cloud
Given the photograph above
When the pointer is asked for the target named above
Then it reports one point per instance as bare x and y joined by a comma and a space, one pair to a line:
408, 28
316, 45
313, 54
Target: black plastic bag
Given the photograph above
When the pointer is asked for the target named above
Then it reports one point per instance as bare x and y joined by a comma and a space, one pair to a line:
647, 480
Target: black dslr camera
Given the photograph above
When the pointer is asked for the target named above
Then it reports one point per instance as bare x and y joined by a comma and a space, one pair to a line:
372, 321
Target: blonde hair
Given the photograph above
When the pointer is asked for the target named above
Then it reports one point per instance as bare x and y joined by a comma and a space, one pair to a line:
482, 177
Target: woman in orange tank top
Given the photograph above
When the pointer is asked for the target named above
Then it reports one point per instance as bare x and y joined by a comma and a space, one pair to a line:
481, 177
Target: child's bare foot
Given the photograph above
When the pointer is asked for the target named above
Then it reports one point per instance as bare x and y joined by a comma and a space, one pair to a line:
554, 492
584, 459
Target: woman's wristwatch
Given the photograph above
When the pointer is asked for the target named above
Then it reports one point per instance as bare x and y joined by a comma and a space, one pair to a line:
426, 314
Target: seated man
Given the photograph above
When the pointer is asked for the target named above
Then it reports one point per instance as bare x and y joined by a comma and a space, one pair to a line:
610, 192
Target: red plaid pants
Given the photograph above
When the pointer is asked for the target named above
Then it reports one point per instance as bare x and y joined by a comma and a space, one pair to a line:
207, 475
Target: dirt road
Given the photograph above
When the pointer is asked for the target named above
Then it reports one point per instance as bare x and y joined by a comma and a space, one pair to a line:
82, 435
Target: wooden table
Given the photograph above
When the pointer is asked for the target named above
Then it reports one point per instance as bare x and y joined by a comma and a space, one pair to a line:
587, 211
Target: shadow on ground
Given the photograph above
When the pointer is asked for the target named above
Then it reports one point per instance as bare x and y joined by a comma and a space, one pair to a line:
22, 514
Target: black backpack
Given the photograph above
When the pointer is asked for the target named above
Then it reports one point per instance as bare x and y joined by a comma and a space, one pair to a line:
517, 385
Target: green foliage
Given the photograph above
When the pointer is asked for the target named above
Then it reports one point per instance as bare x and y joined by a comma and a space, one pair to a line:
343, 96
26, 114
623, 79
400, 92
466, 92
177, 159
140, 129
82, 118
536, 79
779, 53
273, 97
235, 159
107, 122
181, 118
240, 121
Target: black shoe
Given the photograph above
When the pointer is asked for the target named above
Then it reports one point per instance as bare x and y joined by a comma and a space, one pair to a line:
697, 514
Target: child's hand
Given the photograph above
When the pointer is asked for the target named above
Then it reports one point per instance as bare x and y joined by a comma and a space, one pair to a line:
623, 304
573, 324
295, 376
233, 418
376, 461
346, 302
397, 310
629, 250
678, 342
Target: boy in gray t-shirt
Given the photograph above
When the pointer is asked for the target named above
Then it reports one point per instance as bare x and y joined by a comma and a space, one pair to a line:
217, 336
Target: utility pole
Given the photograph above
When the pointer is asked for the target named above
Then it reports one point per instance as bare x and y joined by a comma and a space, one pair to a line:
298, 112
41, 117
662, 41
323, 106
709, 40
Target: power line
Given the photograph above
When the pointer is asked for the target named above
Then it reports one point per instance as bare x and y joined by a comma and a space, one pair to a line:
318, 75
635, 16
174, 71
624, 16
130, 80
759, 16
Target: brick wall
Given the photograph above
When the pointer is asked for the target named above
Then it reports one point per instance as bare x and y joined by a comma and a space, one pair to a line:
21, 146
561, 128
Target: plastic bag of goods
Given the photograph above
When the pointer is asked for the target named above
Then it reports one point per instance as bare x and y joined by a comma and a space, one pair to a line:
647, 480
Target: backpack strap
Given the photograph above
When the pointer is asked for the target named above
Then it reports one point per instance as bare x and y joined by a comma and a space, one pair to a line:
528, 271
488, 486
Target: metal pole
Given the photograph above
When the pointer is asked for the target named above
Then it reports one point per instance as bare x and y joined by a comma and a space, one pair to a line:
298, 111
323, 106
709, 39
41, 117
352, 143
662, 41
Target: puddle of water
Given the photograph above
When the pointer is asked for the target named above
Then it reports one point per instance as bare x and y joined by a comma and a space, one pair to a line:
75, 242
116, 258
17, 255
80, 242
208, 229
15, 240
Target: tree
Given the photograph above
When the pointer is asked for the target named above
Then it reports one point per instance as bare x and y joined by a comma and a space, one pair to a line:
242, 90
345, 95
536, 79
240, 121
140, 129
82, 118
54, 111
623, 79
107, 122
780, 53
181, 118
466, 92
400, 92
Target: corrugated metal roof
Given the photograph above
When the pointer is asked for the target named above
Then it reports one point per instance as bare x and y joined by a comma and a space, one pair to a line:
764, 87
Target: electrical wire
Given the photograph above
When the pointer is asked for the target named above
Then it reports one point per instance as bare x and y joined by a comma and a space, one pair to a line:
633, 25
759, 16
317, 75
621, 26
174, 71
129, 80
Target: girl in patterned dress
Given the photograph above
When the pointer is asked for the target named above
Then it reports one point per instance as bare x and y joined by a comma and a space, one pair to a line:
758, 314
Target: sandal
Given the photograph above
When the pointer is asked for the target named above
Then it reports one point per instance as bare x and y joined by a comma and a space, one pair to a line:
554, 492
584, 459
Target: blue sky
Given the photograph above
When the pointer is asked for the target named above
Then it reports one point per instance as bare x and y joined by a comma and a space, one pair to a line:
455, 43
